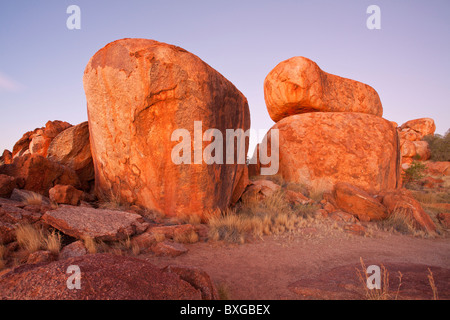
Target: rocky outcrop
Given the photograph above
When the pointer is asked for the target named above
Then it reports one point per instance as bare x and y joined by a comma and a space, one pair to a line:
103, 277
322, 148
72, 149
298, 85
38, 140
36, 173
138, 92
411, 133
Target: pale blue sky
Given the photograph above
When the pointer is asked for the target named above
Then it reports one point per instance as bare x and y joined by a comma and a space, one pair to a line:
407, 61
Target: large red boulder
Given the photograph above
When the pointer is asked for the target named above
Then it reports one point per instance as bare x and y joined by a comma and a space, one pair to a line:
322, 148
358, 202
138, 93
298, 85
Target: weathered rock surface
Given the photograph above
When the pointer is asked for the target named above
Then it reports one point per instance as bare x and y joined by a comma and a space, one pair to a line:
7, 185
343, 283
72, 148
401, 201
101, 224
359, 203
6, 157
103, 277
322, 148
198, 278
418, 128
39, 174
75, 249
38, 141
298, 85
138, 92
65, 195
260, 189
11, 215
438, 168
169, 248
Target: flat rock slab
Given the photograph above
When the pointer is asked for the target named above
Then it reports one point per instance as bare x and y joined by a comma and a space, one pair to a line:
101, 224
343, 283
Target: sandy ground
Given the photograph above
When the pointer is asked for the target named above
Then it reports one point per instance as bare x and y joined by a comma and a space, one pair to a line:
264, 268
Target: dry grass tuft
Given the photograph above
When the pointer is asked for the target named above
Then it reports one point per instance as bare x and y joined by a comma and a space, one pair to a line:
53, 242
255, 218
432, 284
189, 237
383, 292
90, 244
399, 221
32, 199
30, 238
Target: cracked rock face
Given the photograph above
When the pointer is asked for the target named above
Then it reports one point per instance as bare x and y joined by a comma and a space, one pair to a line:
298, 85
138, 92
320, 149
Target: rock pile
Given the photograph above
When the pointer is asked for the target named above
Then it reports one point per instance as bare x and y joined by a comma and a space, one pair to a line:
412, 145
330, 129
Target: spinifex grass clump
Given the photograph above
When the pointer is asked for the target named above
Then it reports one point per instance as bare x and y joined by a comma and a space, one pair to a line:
257, 217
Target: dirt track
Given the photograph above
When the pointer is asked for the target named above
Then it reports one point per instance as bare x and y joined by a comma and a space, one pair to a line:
265, 268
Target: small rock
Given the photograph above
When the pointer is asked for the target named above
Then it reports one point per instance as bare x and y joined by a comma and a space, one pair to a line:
167, 248
75, 249
65, 195
40, 256
340, 215
355, 229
